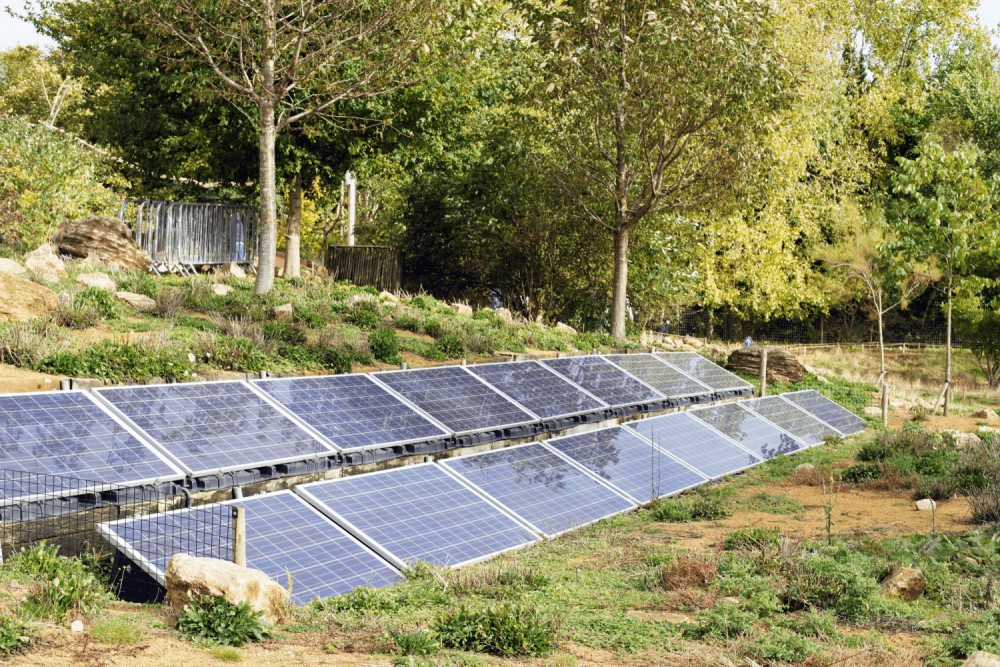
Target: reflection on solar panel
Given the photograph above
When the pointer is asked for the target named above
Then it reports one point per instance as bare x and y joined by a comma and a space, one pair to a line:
700, 368
210, 427
456, 398
418, 513
823, 408
696, 444
285, 538
604, 380
67, 433
351, 410
752, 431
539, 486
659, 375
537, 388
793, 419
628, 463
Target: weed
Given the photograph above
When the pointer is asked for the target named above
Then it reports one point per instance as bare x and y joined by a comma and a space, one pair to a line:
122, 630
720, 623
365, 315
25, 344
233, 353
226, 654
500, 580
360, 600
419, 642
621, 633
984, 504
696, 507
121, 361
433, 327
384, 345
85, 308
773, 504
751, 538
863, 472
137, 282
407, 322
687, 571
215, 620
780, 646
283, 332
505, 630
65, 584
450, 345
14, 636
170, 302
979, 635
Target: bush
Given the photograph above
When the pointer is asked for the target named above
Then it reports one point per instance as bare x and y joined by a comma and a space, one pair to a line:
982, 634
690, 508
14, 636
450, 345
407, 322
65, 584
688, 571
283, 332
751, 538
864, 472
384, 345
506, 630
121, 362
723, 622
365, 315
215, 620
420, 642
433, 327
25, 344
984, 503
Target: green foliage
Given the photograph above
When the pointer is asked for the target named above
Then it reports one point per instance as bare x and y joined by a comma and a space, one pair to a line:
226, 654
505, 630
720, 623
433, 327
780, 646
283, 332
981, 634
126, 630
501, 580
865, 472
362, 600
694, 507
419, 642
215, 620
384, 345
14, 636
365, 315
450, 346
66, 585
235, 353
26, 344
121, 362
137, 282
751, 538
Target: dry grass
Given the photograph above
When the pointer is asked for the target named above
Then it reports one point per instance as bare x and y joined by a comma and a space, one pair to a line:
688, 571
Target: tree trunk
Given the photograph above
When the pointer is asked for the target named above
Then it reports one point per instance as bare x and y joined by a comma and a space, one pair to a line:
619, 285
268, 234
947, 353
293, 240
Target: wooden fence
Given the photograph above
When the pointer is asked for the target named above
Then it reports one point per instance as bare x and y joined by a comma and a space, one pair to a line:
373, 266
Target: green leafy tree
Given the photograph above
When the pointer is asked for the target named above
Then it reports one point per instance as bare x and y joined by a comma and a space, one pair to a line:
977, 319
33, 86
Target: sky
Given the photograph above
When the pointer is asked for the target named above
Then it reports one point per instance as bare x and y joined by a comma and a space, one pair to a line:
14, 31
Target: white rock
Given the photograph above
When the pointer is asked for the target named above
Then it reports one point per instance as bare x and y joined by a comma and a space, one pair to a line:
92, 261
140, 302
45, 264
235, 270
906, 583
505, 315
565, 328
965, 440
463, 309
696, 343
100, 281
987, 415
988, 429
285, 312
76, 626
388, 296
982, 659
221, 290
926, 505
12, 268
189, 578
804, 468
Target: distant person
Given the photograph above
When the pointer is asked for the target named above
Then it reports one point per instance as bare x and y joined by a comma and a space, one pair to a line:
748, 342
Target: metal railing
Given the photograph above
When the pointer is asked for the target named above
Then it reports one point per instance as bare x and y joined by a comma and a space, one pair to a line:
182, 234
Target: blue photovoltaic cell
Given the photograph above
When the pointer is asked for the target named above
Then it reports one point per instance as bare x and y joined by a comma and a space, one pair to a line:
351, 410
628, 463
285, 538
793, 419
604, 380
66, 433
455, 398
215, 426
699, 446
539, 486
752, 431
660, 375
823, 408
537, 388
419, 513
703, 370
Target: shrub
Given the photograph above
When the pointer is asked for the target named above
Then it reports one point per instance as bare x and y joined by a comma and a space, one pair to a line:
505, 630
170, 302
25, 344
979, 635
14, 636
65, 584
433, 327
690, 508
215, 620
121, 362
450, 345
723, 622
500, 580
365, 315
407, 322
863, 472
420, 642
688, 571
384, 345
283, 332
751, 538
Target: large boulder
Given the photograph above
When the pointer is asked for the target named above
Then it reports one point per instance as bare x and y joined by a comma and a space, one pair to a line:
12, 268
982, 659
906, 583
100, 281
24, 300
987, 415
782, 366
140, 302
104, 236
43, 262
565, 328
190, 578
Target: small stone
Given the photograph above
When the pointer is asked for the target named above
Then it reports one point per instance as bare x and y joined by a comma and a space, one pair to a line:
140, 302
285, 312
462, 309
987, 415
982, 659
44, 263
804, 468
505, 315
12, 268
926, 505
388, 296
235, 270
906, 583
873, 412
565, 328
221, 290
101, 281
76, 626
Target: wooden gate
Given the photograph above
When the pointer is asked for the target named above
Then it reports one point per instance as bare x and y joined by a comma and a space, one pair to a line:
371, 266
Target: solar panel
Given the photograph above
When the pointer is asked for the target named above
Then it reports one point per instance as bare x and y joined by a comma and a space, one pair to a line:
456, 398
352, 411
628, 463
823, 408
793, 419
659, 375
703, 370
286, 539
752, 431
67, 433
211, 427
604, 380
539, 486
537, 388
418, 513
696, 444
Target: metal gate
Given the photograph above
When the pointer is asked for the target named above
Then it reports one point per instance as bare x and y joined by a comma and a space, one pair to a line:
180, 235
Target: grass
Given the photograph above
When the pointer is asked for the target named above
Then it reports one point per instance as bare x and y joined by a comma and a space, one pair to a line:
123, 630
226, 654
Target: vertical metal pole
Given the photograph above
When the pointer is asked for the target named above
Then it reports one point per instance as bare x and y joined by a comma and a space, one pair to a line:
239, 537
763, 372
352, 202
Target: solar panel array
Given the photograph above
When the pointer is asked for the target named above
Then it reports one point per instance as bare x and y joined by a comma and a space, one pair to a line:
539, 389
823, 408
753, 432
352, 411
793, 419
697, 444
660, 375
418, 513
211, 427
605, 380
700, 368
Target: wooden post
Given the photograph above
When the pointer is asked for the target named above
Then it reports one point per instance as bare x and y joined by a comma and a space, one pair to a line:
763, 372
239, 536
885, 404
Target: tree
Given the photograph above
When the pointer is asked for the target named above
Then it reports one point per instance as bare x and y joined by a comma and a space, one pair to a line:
32, 86
662, 102
290, 61
977, 318
943, 215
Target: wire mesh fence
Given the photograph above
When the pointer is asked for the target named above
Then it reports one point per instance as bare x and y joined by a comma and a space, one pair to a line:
132, 530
